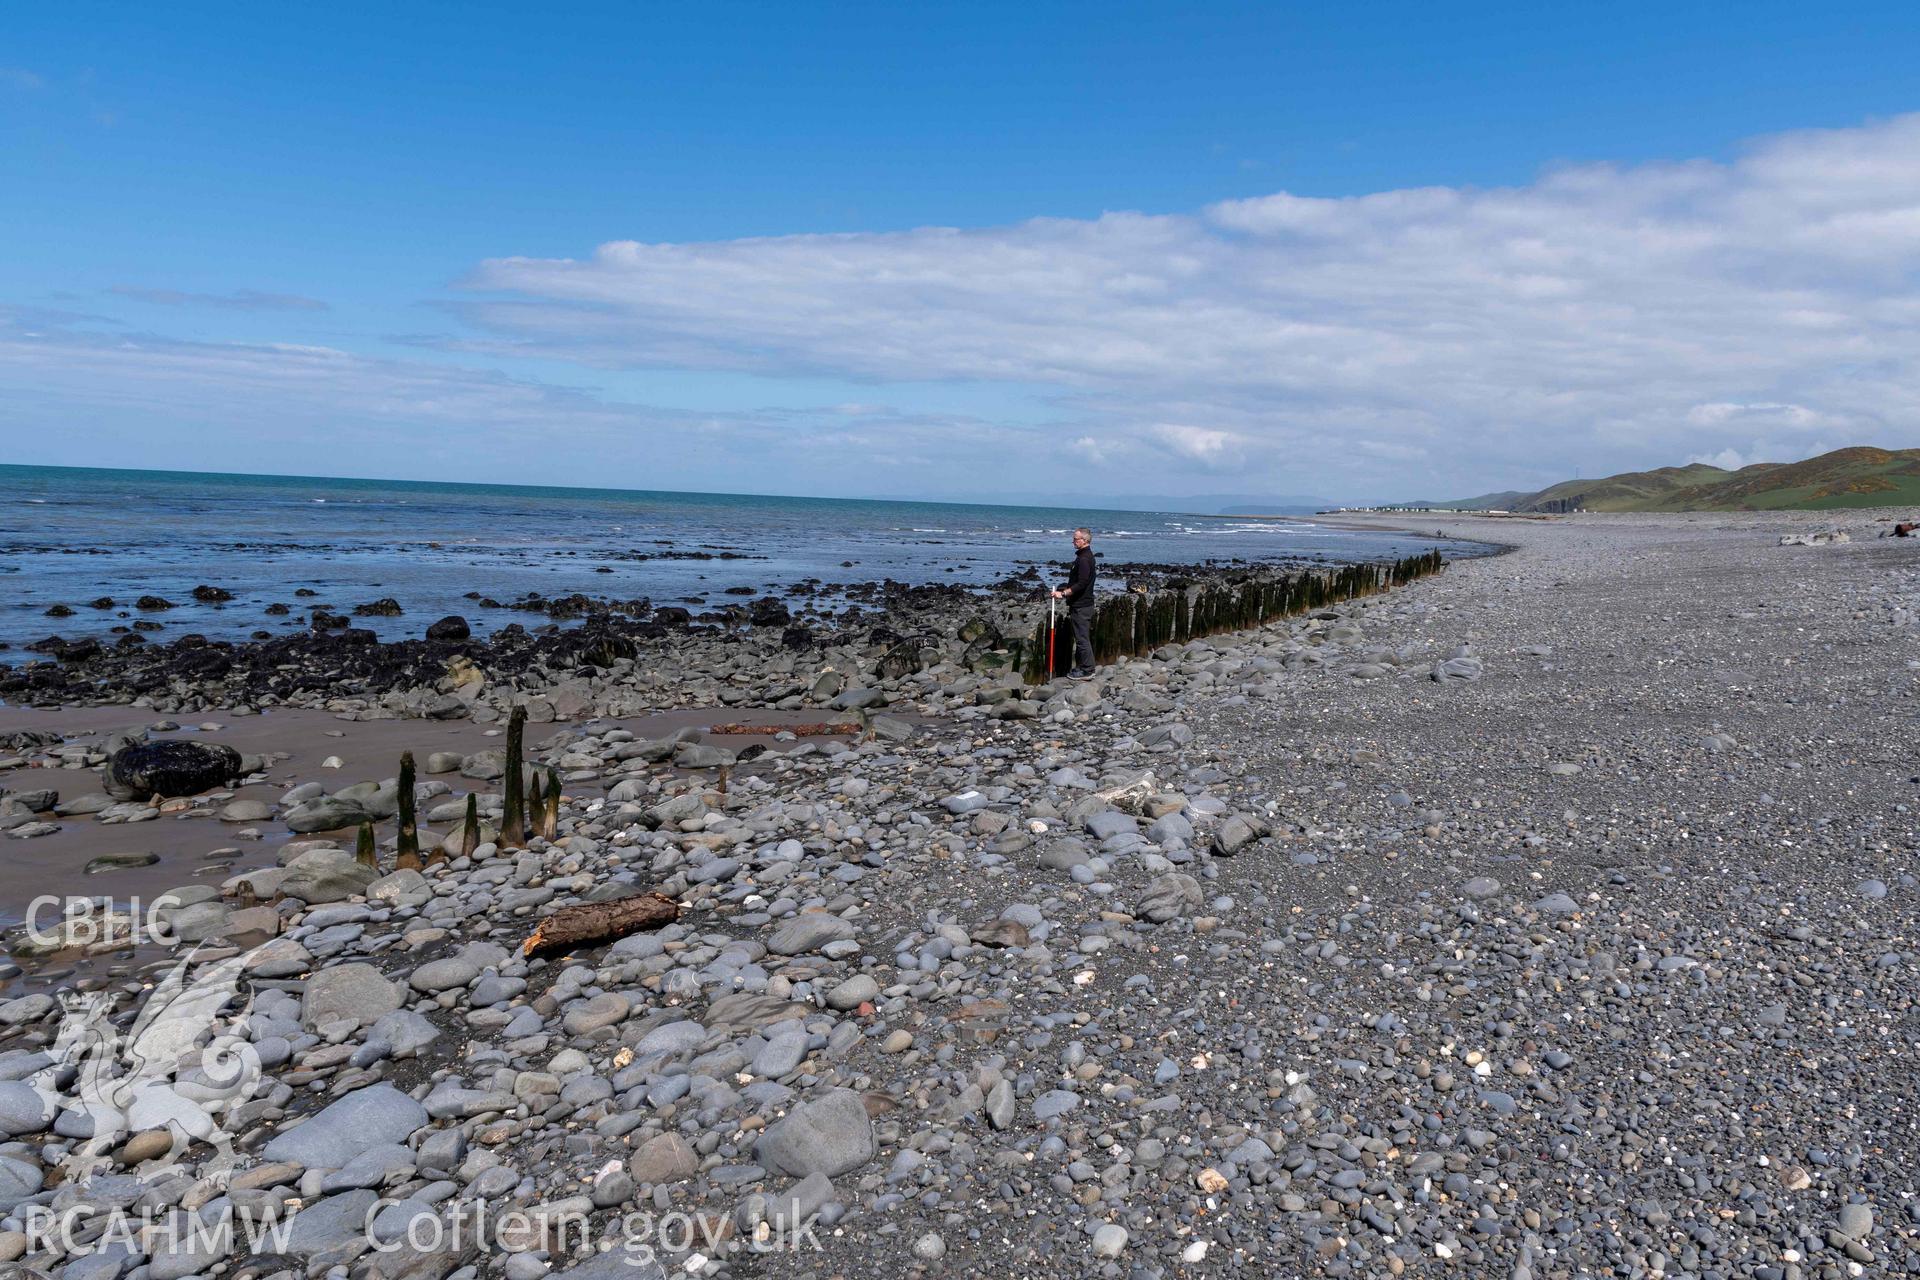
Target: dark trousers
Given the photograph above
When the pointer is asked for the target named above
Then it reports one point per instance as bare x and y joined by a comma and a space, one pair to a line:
1082, 620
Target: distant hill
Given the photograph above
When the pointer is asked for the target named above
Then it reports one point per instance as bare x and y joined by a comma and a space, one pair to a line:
1861, 476
1506, 501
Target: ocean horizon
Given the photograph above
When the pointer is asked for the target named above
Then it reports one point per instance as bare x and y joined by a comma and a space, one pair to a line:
76, 538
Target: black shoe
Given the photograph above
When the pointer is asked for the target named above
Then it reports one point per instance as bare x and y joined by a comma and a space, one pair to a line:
1080, 675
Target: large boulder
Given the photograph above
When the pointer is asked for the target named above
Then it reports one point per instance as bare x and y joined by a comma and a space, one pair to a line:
366, 1118
379, 799
808, 931
22, 1109
356, 993
1464, 669
1170, 897
19, 1179
664, 1158
484, 765
327, 1225
37, 800
326, 875
169, 767
831, 1135
1236, 833
702, 755
326, 813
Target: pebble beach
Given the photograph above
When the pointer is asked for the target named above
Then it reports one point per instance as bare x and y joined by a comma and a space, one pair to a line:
1554, 916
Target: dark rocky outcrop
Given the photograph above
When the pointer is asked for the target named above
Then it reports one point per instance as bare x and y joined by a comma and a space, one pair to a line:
70, 651
334, 658
769, 612
598, 645
170, 767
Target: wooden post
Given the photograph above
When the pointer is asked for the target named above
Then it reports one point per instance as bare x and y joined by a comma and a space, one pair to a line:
470, 828
407, 855
513, 822
550, 817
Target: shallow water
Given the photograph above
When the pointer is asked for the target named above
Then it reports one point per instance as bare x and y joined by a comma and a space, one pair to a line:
69, 535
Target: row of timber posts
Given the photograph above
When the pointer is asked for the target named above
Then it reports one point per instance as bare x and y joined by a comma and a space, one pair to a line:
1137, 623
526, 811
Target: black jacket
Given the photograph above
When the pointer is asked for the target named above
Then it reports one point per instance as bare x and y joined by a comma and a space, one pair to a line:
1079, 587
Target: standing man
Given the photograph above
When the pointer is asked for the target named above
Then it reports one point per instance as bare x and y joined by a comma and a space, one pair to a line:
1078, 593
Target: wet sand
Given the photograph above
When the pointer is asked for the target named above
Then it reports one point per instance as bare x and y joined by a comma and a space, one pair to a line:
195, 847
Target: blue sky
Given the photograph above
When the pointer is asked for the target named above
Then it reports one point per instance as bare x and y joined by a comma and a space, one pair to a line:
920, 251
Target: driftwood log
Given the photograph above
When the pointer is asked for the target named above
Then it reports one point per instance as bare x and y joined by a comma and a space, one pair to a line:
797, 730
591, 923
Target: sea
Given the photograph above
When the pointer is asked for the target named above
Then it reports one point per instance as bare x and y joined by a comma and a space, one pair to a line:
73, 535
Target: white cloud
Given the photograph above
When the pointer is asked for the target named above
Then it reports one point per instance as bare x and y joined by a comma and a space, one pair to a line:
1089, 448
1202, 444
1726, 459
1598, 315
1427, 342
1743, 416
